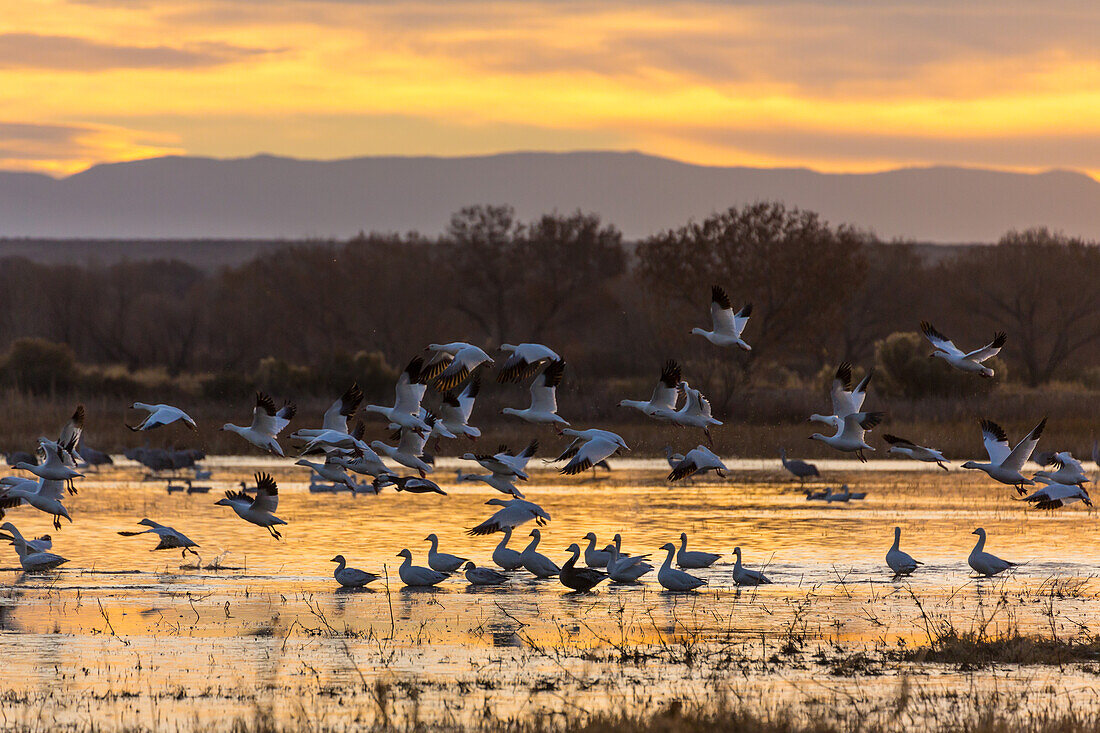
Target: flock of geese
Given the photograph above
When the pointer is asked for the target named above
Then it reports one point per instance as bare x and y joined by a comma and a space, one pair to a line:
454, 370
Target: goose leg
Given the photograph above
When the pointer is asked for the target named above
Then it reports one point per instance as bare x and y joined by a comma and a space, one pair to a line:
57, 522
274, 533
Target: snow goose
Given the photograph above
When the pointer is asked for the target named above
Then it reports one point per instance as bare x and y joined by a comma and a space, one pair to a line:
416, 576
505, 556
744, 576
799, 469
160, 415
409, 450
1006, 463
464, 361
483, 576
665, 394
673, 579
71, 433
953, 355
588, 448
329, 471
408, 394
524, 361
908, 448
501, 482
844, 398
693, 559
170, 539
698, 460
1068, 469
32, 560
581, 580
671, 457
900, 562
1055, 495
351, 577
267, 423
514, 513
623, 569
726, 326
695, 412
52, 467
336, 416
504, 463
441, 561
849, 435
43, 543
258, 510
455, 411
544, 401
534, 561
594, 558
411, 484
983, 563
45, 495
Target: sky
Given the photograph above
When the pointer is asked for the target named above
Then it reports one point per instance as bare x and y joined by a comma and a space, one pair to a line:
848, 85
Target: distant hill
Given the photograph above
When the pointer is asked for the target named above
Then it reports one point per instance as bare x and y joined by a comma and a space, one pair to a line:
272, 198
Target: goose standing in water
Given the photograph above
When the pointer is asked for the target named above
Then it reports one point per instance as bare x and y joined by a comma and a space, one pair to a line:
665, 394
698, 460
744, 576
504, 556
1006, 463
671, 578
845, 400
524, 361
258, 510
544, 399
30, 559
900, 562
594, 558
581, 580
514, 513
416, 576
965, 362
483, 576
622, 569
726, 326
170, 539
351, 577
799, 469
535, 562
267, 423
849, 437
908, 448
441, 561
982, 562
44, 495
693, 559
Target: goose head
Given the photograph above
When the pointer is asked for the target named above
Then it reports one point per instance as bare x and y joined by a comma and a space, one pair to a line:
897, 533
590, 536
148, 523
737, 551
979, 531
497, 502
536, 534
431, 538
986, 372
338, 558
668, 547
405, 554
223, 502
301, 462
574, 548
970, 464
469, 566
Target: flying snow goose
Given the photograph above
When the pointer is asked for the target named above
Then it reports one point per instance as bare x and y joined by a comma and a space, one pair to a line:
1055, 495
416, 576
329, 471
535, 562
45, 495
844, 398
726, 325
524, 361
455, 411
1006, 463
170, 539
695, 412
160, 415
983, 563
588, 448
258, 510
441, 561
408, 394
594, 558
744, 576
504, 483
71, 433
411, 484
267, 423
698, 460
799, 469
544, 400
43, 543
1068, 470
504, 556
463, 362
849, 435
514, 513
32, 560
581, 580
908, 448
483, 576
673, 579
900, 562
409, 450
336, 416
504, 463
953, 355
52, 468
351, 577
665, 394
693, 559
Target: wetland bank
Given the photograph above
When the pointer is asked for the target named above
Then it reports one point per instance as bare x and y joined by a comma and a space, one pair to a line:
257, 635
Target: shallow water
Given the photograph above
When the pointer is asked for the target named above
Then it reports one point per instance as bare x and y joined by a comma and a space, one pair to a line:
122, 636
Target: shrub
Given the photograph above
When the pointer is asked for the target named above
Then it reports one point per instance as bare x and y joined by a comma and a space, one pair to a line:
39, 366
906, 370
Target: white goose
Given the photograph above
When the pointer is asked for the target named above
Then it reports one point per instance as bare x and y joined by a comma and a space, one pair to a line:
535, 562
594, 558
695, 412
514, 513
483, 576
966, 362
416, 576
501, 482
462, 363
258, 510
524, 361
849, 436
504, 463
408, 393
441, 561
544, 400
909, 449
267, 423
844, 398
744, 576
170, 539
900, 562
52, 467
43, 543
409, 450
623, 569
671, 578
1068, 470
588, 448
726, 325
30, 559
1056, 495
44, 495
329, 471
336, 416
665, 394
693, 559
351, 577
455, 411
505, 556
699, 459
160, 415
1006, 463
982, 562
